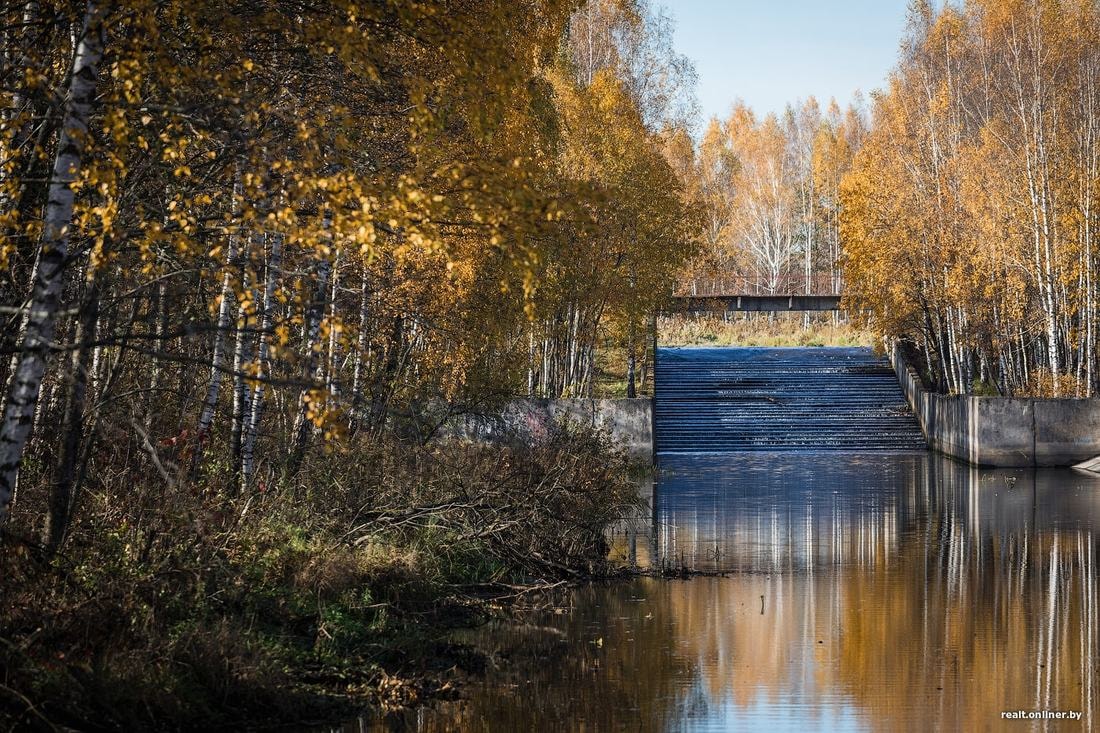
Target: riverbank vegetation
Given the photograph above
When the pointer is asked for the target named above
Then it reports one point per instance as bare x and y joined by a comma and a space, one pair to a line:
255, 255
970, 215
183, 609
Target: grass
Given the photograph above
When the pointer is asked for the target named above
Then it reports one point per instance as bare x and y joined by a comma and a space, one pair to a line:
762, 329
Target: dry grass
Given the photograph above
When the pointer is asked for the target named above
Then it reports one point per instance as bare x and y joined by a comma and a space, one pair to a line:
762, 329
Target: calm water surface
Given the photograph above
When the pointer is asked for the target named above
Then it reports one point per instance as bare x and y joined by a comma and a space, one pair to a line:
873, 592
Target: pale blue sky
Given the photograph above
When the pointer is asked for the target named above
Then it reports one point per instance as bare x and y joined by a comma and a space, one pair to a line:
772, 53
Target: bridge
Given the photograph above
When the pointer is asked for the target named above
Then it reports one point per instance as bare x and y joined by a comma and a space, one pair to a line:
718, 303
739, 292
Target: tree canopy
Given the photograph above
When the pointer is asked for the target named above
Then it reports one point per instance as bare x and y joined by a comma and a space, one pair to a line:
969, 217
269, 222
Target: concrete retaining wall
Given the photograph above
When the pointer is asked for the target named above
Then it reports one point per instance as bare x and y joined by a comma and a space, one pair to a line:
1002, 431
629, 421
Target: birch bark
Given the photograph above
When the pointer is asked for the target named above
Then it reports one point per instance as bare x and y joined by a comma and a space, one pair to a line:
313, 364
242, 395
217, 359
248, 447
38, 334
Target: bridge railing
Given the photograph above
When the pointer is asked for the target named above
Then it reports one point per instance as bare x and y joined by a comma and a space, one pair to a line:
820, 283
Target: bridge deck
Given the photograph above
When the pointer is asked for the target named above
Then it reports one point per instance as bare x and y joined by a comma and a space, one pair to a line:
753, 303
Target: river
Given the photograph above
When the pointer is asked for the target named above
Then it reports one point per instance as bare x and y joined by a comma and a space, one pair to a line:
845, 592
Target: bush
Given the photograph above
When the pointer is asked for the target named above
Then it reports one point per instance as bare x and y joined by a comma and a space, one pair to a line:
171, 609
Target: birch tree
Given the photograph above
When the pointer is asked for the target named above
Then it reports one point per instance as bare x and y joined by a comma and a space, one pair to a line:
499, 220
38, 333
968, 217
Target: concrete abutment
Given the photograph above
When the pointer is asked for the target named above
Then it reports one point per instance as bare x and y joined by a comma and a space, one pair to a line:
1002, 431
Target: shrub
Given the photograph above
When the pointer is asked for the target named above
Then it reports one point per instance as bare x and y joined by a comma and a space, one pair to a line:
173, 608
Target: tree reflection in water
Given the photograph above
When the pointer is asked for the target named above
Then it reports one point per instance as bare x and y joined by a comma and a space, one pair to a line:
885, 592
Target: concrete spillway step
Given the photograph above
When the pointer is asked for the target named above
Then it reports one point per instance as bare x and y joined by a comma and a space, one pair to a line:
743, 399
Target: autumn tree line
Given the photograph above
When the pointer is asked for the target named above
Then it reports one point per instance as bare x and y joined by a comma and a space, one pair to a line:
969, 218
233, 233
769, 188
958, 214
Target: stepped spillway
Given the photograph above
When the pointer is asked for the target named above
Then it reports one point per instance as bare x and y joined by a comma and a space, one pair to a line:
714, 400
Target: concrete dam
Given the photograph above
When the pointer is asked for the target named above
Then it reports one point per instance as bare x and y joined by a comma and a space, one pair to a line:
725, 399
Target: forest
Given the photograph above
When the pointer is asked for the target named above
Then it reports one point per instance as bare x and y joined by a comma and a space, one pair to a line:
957, 212
255, 255
769, 189
969, 218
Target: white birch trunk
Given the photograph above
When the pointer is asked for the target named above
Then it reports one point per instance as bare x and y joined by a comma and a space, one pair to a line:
38, 334
303, 426
330, 357
248, 445
362, 345
242, 395
218, 358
